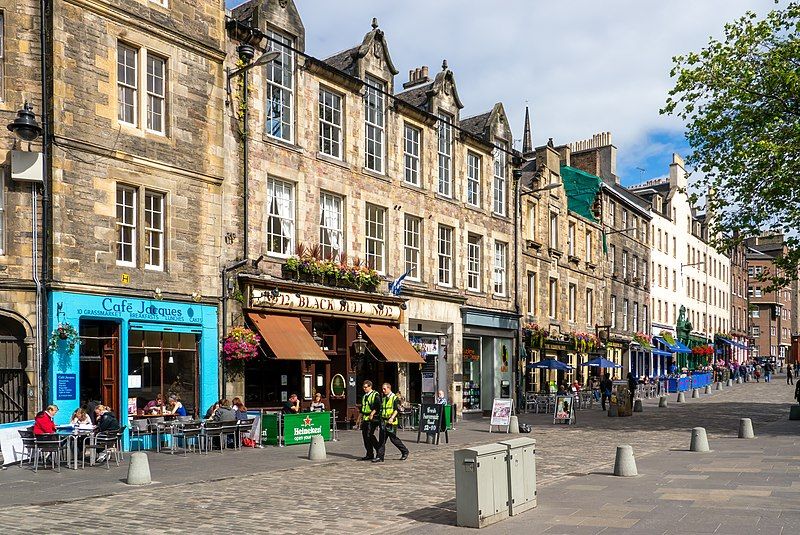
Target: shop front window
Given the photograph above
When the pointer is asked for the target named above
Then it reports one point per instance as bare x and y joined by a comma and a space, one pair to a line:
162, 362
472, 373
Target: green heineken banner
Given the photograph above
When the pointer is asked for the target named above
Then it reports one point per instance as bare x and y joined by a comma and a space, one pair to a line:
299, 428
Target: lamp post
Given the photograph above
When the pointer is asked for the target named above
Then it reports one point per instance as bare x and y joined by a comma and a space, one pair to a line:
359, 349
246, 53
24, 126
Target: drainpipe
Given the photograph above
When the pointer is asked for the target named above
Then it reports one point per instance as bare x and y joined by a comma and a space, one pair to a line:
516, 175
45, 24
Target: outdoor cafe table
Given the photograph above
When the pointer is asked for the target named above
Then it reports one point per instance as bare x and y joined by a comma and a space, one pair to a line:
73, 435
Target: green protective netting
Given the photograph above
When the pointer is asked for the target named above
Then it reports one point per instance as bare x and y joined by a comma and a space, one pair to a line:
582, 189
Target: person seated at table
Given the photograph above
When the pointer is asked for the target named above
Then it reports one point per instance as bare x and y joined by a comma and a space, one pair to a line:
44, 424
576, 387
80, 418
211, 410
292, 405
562, 391
317, 405
224, 412
106, 423
175, 406
155, 405
238, 408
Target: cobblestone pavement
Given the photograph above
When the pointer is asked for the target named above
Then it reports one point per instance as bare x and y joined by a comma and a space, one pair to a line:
343, 496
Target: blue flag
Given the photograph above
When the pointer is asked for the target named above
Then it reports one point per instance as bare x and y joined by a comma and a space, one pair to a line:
397, 285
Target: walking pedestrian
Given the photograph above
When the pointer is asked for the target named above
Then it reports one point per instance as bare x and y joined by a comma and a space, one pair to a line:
389, 412
789, 374
605, 388
767, 371
370, 405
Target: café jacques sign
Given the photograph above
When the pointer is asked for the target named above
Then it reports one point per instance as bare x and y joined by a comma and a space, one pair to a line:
316, 304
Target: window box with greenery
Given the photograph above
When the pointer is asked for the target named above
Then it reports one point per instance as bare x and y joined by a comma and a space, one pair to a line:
643, 340
308, 266
534, 334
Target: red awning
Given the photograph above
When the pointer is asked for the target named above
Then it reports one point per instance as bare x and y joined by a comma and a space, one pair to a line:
391, 343
287, 337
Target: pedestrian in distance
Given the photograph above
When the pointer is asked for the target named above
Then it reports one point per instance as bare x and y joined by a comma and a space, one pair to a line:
789, 374
370, 419
605, 388
389, 413
767, 371
632, 385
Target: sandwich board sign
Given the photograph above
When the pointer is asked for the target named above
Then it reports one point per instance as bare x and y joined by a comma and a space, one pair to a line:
501, 413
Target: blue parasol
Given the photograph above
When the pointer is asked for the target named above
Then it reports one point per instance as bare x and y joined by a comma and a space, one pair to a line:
600, 362
549, 364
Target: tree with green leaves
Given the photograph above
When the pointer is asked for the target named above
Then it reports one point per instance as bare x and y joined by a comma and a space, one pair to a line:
740, 99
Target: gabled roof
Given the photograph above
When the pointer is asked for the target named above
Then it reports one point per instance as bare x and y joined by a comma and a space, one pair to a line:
416, 96
346, 60
476, 124
343, 60
631, 198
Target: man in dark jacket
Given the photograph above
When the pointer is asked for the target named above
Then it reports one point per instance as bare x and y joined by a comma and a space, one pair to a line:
106, 423
224, 413
605, 390
370, 419
632, 385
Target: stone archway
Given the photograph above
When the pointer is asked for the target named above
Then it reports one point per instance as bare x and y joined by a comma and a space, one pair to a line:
14, 349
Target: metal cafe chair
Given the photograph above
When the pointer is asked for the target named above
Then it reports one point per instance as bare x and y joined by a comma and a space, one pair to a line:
52, 444
28, 445
229, 429
242, 427
189, 432
106, 441
213, 430
139, 429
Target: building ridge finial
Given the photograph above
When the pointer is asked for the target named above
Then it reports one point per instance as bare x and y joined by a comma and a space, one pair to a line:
444, 64
374, 23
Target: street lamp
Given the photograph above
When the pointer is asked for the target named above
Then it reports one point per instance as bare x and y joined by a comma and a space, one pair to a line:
24, 126
359, 348
539, 190
246, 53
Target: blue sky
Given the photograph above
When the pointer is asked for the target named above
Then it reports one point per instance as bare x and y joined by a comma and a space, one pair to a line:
583, 66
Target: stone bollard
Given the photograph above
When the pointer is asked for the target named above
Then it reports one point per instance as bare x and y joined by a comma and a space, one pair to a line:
707, 390
746, 428
637, 405
139, 469
613, 410
729, 382
695, 393
719, 386
662, 401
316, 449
625, 463
699, 440
681, 398
513, 425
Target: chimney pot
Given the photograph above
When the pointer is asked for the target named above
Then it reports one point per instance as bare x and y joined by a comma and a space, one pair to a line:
424, 71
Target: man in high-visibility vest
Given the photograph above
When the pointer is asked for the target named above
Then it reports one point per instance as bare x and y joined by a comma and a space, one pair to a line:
389, 413
370, 419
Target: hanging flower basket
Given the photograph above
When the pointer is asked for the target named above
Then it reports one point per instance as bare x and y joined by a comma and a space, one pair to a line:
239, 347
65, 332
643, 340
535, 335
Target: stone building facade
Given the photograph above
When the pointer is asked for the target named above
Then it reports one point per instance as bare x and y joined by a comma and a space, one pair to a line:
344, 165
770, 311
739, 304
20, 216
626, 230
137, 164
561, 266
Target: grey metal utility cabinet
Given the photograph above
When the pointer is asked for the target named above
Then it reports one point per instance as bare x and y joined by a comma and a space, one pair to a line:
521, 466
481, 485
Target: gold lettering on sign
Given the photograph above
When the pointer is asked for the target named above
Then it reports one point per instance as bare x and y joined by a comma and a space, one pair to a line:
314, 303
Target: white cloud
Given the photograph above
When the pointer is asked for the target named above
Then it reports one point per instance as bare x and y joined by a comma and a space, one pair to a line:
584, 66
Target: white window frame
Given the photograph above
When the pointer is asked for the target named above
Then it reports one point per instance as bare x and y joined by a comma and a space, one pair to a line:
156, 94
531, 221
499, 184
412, 236
588, 245
474, 163
474, 245
154, 220
589, 306
613, 307
374, 123
552, 289
571, 229
533, 298
445, 155
625, 314
330, 123
412, 137
375, 237
280, 217
280, 80
123, 223
554, 230
624, 264
645, 318
331, 225
500, 288
572, 291
445, 256
612, 253
635, 316
128, 85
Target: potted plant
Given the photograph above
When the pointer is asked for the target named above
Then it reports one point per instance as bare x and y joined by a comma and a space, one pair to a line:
239, 347
643, 340
66, 333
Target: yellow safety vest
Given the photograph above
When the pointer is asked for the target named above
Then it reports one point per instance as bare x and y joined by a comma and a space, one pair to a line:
366, 404
387, 406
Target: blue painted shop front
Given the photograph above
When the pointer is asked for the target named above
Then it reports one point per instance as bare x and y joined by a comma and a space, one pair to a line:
131, 349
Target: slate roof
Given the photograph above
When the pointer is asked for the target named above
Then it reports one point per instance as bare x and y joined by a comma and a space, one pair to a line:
416, 96
629, 196
476, 125
342, 60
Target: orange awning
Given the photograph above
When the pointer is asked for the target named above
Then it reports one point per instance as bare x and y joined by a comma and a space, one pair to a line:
391, 343
287, 337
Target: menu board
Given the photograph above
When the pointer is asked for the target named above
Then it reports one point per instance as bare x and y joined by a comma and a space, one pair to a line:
501, 412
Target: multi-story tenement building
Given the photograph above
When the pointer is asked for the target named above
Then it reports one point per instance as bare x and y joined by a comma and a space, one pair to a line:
738, 334
21, 242
561, 261
690, 280
349, 173
626, 229
770, 311
135, 171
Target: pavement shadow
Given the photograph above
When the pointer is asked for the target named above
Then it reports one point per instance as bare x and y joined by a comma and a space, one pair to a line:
443, 513
344, 455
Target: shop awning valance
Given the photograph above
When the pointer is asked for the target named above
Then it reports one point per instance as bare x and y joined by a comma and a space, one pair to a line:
287, 337
670, 347
733, 343
392, 345
681, 347
660, 353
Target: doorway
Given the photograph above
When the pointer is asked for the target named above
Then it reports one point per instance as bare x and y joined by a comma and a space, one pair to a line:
99, 363
13, 381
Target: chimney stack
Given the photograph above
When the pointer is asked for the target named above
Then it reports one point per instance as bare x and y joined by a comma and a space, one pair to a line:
417, 76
